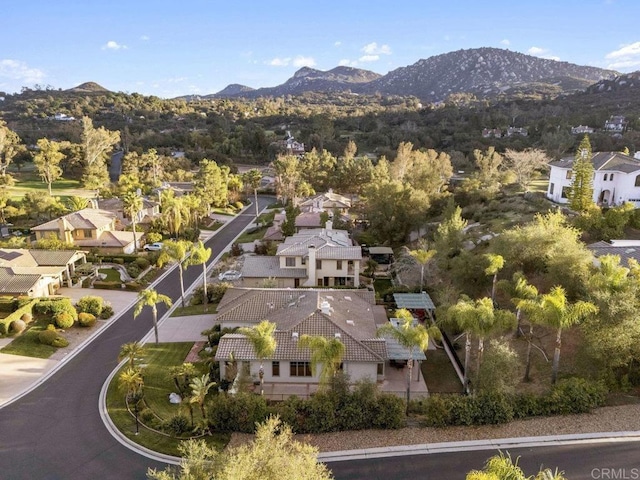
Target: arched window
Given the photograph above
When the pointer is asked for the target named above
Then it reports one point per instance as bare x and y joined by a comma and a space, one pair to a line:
638, 181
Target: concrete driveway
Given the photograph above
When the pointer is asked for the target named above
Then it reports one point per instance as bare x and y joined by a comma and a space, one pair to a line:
120, 300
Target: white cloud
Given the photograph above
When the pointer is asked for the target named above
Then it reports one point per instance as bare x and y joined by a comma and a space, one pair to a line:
301, 61
113, 45
626, 57
505, 42
18, 70
369, 58
345, 62
374, 49
337, 44
144, 38
298, 61
542, 53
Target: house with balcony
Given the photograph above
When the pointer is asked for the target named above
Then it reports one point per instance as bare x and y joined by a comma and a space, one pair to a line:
89, 228
326, 202
616, 179
316, 257
351, 316
147, 213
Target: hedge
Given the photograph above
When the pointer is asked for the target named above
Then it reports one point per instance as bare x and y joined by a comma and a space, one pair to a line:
16, 315
55, 306
107, 285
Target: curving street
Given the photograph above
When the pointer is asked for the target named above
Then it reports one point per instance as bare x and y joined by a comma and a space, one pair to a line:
55, 431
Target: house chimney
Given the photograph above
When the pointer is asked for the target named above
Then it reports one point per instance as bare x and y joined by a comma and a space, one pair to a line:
329, 225
311, 267
325, 307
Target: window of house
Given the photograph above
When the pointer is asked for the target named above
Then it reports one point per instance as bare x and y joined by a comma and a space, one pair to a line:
380, 369
275, 369
569, 174
637, 181
304, 260
290, 261
318, 264
611, 177
565, 192
605, 177
86, 233
551, 187
339, 264
300, 369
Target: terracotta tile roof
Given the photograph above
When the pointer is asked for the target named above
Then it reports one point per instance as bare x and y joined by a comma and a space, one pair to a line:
22, 257
113, 238
86, 219
263, 266
604, 161
16, 283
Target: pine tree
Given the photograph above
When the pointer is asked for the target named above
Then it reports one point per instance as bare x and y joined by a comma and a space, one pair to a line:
581, 190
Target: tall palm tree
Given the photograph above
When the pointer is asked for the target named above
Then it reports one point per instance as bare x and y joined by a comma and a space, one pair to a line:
175, 251
252, 178
75, 203
410, 335
132, 204
200, 255
422, 256
150, 298
496, 263
131, 351
264, 344
554, 310
327, 352
131, 383
200, 387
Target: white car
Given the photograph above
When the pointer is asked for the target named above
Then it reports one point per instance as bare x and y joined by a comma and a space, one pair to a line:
229, 276
153, 247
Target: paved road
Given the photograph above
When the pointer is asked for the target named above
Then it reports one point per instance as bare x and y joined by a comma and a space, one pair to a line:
55, 432
603, 461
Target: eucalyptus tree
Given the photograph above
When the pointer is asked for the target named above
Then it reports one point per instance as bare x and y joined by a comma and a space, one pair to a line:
96, 144
47, 161
264, 344
9, 146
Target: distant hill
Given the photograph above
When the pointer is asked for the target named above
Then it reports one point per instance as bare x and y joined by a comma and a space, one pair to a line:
484, 72
621, 83
307, 79
233, 90
88, 87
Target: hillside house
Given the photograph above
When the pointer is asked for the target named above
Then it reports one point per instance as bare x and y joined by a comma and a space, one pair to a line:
616, 124
582, 129
616, 179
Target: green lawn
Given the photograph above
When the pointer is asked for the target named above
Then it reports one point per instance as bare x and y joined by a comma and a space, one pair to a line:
247, 237
26, 182
28, 345
158, 359
439, 374
194, 310
112, 275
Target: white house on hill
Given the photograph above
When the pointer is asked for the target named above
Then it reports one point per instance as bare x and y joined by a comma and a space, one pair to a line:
616, 179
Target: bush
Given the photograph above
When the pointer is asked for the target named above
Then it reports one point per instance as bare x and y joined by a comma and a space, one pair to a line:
53, 307
107, 285
64, 320
436, 408
51, 337
142, 263
86, 319
17, 326
492, 408
236, 250
153, 237
27, 317
86, 282
389, 412
236, 413
118, 260
133, 270
133, 286
238, 205
576, 395
176, 425
215, 292
107, 312
90, 304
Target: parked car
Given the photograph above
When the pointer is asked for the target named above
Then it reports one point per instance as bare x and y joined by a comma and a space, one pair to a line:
153, 247
229, 276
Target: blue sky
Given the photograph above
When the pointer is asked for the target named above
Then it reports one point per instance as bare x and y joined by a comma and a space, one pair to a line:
170, 48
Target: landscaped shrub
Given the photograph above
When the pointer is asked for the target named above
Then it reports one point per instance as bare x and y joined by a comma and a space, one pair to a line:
576, 395
236, 250
436, 410
389, 412
142, 263
51, 337
215, 292
16, 315
492, 408
320, 412
6, 304
153, 237
236, 413
86, 319
54, 307
90, 304
133, 270
64, 320
86, 282
177, 425
27, 317
107, 312
528, 405
238, 205
133, 286
17, 326
107, 285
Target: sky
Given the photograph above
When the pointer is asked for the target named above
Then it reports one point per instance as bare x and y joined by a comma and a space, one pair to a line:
170, 48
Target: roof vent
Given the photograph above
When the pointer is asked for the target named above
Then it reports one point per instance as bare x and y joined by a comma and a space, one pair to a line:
294, 335
350, 322
329, 297
292, 304
337, 335
630, 250
347, 297
325, 307
271, 305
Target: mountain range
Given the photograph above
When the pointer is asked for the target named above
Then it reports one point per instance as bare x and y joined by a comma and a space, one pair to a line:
483, 72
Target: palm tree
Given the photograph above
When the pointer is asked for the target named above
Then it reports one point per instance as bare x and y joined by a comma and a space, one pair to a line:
325, 351
496, 263
264, 344
410, 335
131, 383
132, 204
200, 386
554, 310
76, 203
253, 178
131, 351
149, 298
200, 256
422, 256
175, 251
174, 212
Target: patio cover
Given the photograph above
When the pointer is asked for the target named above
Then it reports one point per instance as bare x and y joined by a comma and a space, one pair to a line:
414, 301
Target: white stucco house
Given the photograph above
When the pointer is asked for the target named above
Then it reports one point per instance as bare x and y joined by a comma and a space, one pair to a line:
616, 179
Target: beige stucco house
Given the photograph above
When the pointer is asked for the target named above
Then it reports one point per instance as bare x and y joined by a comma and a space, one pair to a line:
350, 315
89, 228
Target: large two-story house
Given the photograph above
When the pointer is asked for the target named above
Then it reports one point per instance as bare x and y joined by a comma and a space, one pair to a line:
320, 257
616, 179
89, 228
349, 315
